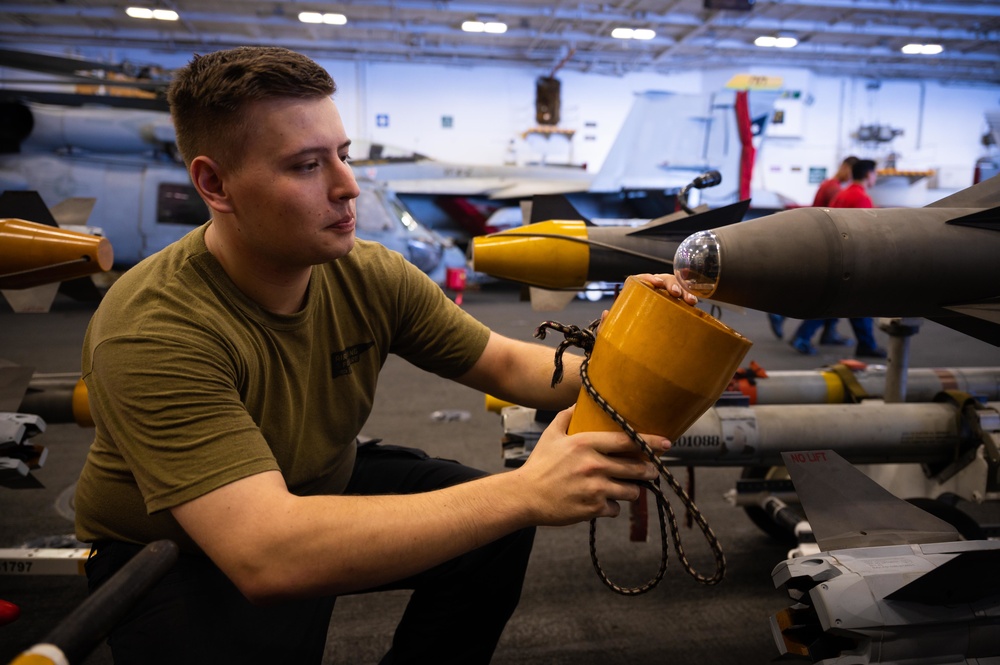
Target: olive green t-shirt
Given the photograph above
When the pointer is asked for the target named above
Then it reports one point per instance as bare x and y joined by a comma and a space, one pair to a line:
192, 385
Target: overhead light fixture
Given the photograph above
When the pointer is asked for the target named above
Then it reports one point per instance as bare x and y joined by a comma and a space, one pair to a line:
492, 27
632, 33
316, 17
768, 41
157, 14
922, 49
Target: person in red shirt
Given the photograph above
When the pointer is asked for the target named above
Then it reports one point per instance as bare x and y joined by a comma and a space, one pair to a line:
830, 187
855, 195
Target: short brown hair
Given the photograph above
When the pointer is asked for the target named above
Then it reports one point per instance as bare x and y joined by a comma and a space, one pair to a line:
209, 96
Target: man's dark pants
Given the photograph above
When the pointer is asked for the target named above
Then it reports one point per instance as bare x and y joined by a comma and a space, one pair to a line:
455, 615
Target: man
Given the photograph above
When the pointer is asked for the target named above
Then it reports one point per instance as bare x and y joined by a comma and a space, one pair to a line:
855, 195
802, 340
230, 374
829, 188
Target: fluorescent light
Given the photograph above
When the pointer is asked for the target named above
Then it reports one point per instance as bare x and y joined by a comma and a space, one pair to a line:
492, 27
629, 33
767, 41
922, 49
316, 17
146, 13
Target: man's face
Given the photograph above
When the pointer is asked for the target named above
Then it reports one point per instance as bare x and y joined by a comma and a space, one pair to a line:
293, 193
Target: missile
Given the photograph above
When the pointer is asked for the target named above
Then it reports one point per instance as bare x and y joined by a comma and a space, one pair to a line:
873, 432
892, 584
937, 262
33, 254
842, 383
565, 251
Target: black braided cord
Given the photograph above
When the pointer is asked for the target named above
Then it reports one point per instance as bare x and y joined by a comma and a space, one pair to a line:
584, 338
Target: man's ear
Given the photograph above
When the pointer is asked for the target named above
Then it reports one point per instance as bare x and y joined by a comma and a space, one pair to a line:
206, 175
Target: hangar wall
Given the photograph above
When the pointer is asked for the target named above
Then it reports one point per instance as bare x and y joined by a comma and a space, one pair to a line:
477, 115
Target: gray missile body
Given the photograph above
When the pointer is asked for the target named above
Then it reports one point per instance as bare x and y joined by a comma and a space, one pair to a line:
938, 262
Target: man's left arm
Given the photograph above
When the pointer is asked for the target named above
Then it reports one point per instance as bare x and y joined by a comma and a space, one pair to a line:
521, 372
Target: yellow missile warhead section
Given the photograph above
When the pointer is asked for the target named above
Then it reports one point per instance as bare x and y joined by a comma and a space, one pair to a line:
33, 254
552, 254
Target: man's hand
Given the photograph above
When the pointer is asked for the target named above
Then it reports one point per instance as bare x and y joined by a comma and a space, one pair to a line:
669, 283
573, 478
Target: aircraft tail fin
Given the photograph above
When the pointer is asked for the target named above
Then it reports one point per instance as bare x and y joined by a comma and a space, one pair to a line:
649, 153
847, 509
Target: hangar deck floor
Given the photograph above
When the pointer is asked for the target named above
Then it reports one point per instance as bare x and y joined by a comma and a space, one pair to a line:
566, 614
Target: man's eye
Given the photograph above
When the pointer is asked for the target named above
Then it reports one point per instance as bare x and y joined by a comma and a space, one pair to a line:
345, 158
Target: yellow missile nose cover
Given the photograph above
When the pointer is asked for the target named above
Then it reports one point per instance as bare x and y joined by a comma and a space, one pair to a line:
659, 362
552, 254
32, 254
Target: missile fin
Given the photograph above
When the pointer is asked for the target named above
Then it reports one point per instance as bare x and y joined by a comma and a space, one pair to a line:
682, 227
948, 584
34, 300
847, 509
546, 300
14, 380
985, 194
976, 319
73, 211
553, 206
25, 205
988, 219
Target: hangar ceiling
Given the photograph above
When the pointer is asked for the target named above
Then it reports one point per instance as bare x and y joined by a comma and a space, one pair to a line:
835, 37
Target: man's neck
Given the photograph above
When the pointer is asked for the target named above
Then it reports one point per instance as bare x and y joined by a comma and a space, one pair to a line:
277, 289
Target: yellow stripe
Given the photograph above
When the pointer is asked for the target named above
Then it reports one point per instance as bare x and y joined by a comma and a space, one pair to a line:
834, 388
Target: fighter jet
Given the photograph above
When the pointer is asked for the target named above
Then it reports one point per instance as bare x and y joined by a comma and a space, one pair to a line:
937, 262
892, 583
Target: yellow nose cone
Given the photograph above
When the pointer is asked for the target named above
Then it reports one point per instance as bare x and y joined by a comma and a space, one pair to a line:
659, 362
32, 254
553, 254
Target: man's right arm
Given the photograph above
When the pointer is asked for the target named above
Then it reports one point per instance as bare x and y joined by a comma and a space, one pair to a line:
275, 545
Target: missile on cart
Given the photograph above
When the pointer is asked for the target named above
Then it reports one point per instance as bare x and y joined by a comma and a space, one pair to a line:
937, 262
873, 432
566, 253
892, 584
845, 383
